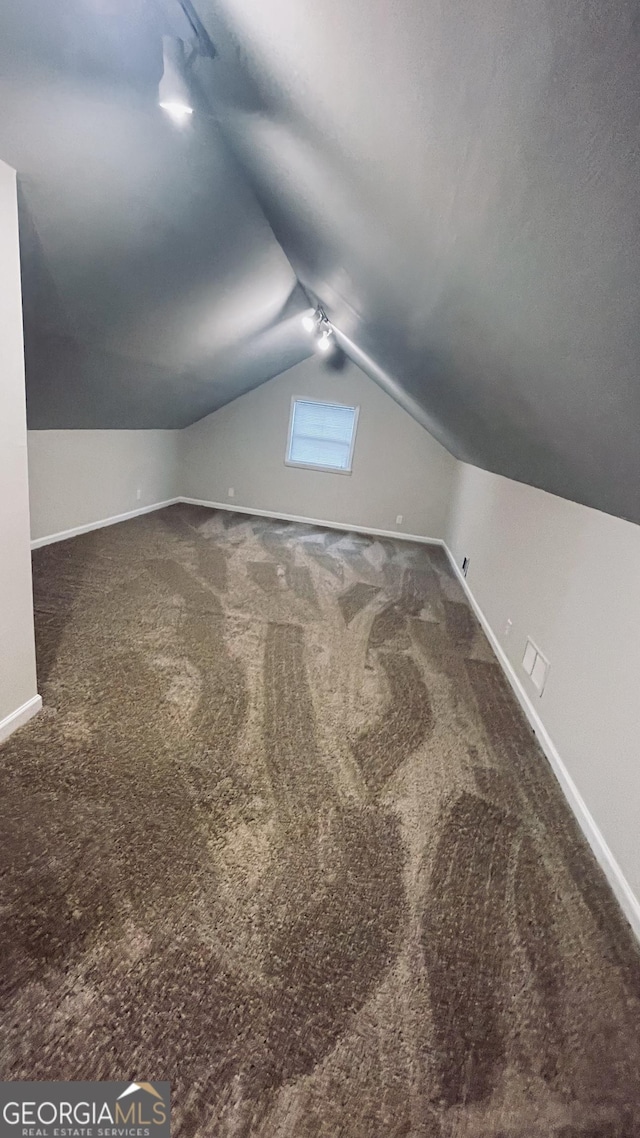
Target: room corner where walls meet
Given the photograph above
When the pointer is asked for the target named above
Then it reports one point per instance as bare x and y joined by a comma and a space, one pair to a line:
539, 566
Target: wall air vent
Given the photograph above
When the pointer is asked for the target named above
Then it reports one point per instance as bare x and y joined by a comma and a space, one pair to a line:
535, 665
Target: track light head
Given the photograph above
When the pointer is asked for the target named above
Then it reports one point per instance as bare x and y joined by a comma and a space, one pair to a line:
318, 326
179, 112
326, 341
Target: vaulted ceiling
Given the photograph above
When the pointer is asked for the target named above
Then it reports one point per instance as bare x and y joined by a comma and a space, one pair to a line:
457, 184
154, 288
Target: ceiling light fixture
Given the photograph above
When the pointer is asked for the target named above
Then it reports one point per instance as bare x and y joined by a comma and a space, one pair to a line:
317, 325
179, 112
326, 341
174, 92
311, 321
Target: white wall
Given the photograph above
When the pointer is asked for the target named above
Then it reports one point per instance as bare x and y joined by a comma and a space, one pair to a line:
17, 650
566, 575
398, 468
78, 478
569, 577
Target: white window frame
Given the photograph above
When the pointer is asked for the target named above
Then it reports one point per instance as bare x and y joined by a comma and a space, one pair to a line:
312, 465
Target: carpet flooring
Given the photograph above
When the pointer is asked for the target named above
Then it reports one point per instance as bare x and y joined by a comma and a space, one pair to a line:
282, 836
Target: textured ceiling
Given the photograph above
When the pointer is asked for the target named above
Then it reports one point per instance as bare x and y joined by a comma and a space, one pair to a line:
458, 184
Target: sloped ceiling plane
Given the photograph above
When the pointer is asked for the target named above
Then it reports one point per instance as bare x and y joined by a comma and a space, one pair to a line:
457, 184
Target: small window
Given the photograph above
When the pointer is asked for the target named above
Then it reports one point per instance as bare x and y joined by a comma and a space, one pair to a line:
322, 435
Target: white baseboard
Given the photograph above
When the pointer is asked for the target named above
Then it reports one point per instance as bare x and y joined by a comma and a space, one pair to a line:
627, 899
19, 717
77, 530
345, 527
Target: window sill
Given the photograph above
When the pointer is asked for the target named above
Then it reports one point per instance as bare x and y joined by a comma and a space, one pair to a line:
312, 466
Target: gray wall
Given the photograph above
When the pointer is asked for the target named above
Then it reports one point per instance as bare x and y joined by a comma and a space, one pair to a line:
459, 186
148, 266
77, 478
398, 468
567, 576
17, 650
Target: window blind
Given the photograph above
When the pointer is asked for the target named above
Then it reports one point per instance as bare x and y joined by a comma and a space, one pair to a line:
322, 434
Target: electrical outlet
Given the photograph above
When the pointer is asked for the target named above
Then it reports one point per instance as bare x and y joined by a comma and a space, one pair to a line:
231, 492
138, 493
465, 566
399, 519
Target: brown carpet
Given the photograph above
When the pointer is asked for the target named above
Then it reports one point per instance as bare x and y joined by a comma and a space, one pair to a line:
282, 836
